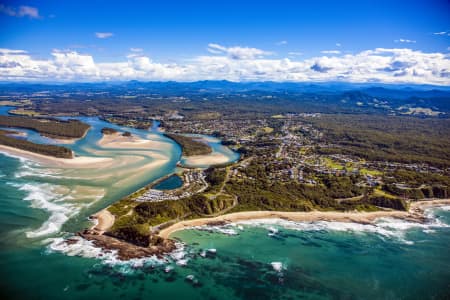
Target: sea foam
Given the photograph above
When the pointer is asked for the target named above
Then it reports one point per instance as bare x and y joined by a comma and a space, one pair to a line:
77, 246
384, 227
61, 207
42, 197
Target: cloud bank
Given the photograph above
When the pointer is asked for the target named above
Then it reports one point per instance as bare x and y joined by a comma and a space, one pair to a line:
234, 64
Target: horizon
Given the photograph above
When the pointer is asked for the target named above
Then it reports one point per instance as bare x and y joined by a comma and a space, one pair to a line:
352, 42
298, 84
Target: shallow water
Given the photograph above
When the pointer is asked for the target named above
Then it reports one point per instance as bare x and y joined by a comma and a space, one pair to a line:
252, 260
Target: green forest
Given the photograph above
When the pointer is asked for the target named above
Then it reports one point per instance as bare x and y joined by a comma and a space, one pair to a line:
47, 127
387, 138
49, 150
189, 145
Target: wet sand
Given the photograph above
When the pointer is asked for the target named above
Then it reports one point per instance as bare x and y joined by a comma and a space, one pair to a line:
118, 141
76, 162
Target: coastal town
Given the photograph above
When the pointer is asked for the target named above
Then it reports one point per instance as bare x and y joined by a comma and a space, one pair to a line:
288, 150
193, 183
280, 160
225, 150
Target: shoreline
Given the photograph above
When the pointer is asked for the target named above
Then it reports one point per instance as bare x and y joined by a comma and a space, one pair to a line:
415, 213
99, 236
77, 161
105, 220
67, 140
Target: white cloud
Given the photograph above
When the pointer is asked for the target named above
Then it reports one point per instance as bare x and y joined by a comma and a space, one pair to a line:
104, 35
136, 49
280, 43
442, 33
377, 65
338, 45
4, 51
404, 41
330, 52
21, 11
295, 53
238, 52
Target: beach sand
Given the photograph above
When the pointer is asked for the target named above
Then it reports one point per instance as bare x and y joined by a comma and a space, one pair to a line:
117, 140
104, 221
76, 162
64, 141
415, 212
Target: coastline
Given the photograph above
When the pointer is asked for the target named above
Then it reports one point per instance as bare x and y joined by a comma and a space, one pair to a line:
415, 213
67, 140
104, 221
98, 233
77, 161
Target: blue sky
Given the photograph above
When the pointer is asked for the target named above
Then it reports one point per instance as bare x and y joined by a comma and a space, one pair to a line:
180, 32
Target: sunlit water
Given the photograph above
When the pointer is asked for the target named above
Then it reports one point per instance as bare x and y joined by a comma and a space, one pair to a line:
39, 206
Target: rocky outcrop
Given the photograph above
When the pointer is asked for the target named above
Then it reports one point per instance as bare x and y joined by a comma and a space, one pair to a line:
125, 250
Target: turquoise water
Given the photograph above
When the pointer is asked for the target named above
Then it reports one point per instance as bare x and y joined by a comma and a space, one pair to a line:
171, 183
39, 206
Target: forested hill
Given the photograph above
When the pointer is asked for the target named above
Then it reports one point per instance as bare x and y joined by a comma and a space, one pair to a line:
149, 99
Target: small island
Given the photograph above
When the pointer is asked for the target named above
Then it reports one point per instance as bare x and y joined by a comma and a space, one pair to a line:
190, 146
52, 128
107, 131
48, 127
112, 131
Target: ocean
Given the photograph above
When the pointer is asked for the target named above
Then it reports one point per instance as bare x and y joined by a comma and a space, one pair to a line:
268, 259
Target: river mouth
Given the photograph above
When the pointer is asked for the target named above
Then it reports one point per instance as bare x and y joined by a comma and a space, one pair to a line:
66, 195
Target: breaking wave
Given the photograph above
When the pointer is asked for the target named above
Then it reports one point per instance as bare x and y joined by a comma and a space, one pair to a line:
386, 227
77, 246
45, 196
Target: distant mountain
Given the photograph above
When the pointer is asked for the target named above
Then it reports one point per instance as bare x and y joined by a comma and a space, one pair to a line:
400, 91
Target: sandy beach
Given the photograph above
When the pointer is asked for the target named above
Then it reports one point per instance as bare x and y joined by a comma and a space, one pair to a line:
104, 221
68, 141
415, 212
76, 162
204, 160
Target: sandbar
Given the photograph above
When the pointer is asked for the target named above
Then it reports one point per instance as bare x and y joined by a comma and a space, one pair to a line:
76, 162
117, 140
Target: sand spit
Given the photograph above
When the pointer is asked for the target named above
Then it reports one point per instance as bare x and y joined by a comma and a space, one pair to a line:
76, 162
